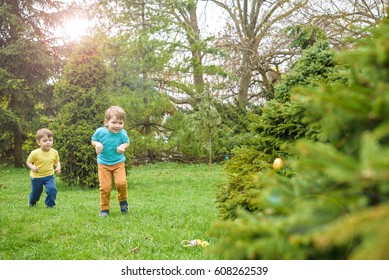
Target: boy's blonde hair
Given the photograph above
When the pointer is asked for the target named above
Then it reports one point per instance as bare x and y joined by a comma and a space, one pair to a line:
42, 133
116, 111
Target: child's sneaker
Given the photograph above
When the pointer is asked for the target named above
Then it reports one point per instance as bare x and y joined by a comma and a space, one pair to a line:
103, 213
124, 207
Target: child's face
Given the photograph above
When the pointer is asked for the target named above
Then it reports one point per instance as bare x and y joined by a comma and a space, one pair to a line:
114, 125
45, 143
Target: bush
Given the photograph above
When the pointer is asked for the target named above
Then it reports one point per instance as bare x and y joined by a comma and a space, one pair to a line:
279, 124
82, 102
337, 203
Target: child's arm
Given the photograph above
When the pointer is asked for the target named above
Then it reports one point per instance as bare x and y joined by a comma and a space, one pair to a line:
122, 148
32, 166
57, 167
98, 146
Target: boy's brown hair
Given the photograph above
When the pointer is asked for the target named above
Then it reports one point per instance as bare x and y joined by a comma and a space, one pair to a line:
116, 111
42, 133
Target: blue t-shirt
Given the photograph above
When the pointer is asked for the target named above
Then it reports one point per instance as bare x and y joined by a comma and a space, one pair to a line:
110, 141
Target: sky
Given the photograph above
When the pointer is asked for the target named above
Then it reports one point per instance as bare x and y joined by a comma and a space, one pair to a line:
211, 17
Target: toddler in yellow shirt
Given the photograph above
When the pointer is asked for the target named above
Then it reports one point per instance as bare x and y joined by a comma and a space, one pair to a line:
41, 162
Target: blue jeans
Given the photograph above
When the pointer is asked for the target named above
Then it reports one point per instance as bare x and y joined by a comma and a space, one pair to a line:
37, 189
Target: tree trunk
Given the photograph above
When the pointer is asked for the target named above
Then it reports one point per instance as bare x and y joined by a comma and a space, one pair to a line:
18, 149
210, 152
193, 37
245, 78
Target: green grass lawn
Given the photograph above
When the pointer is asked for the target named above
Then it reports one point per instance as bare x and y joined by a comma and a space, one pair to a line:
168, 203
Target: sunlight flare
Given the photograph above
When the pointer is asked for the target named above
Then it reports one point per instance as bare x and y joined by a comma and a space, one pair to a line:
75, 28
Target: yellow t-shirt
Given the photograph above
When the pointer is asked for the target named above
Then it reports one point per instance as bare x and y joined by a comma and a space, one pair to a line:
44, 161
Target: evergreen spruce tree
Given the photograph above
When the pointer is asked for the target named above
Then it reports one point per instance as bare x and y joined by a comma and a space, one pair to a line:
82, 102
28, 60
278, 124
336, 206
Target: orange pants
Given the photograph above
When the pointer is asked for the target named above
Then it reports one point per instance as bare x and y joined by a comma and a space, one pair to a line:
105, 172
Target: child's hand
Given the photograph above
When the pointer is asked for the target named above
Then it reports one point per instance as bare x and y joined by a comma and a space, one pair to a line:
98, 147
57, 170
35, 169
121, 149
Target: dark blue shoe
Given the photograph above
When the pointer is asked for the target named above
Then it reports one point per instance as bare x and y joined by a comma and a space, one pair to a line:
123, 207
31, 204
103, 213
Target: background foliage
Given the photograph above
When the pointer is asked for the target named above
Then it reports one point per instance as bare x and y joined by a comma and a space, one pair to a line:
335, 204
82, 102
278, 125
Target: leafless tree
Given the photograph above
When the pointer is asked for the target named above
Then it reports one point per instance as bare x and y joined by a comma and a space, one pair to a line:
253, 36
255, 39
345, 19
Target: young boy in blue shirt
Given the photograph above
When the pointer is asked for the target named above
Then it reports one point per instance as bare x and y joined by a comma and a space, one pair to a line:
110, 143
